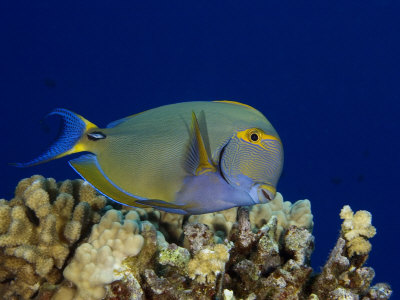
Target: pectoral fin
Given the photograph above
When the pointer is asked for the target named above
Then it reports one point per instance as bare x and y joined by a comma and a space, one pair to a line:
88, 167
197, 161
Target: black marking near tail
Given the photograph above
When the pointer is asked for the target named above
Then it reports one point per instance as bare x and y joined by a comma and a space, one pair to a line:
96, 135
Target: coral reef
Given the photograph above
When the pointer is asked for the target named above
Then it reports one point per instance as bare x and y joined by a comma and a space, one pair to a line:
298, 214
357, 229
38, 229
221, 222
96, 262
344, 274
208, 263
258, 252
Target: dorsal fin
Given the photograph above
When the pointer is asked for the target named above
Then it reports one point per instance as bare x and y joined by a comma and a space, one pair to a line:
120, 121
235, 102
197, 160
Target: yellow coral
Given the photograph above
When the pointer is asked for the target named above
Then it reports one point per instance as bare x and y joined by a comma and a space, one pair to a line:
357, 229
38, 227
208, 263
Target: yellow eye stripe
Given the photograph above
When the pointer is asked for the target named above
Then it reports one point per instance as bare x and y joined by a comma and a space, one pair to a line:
245, 135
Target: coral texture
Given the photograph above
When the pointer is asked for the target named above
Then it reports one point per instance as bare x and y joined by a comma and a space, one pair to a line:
39, 227
344, 274
357, 229
208, 263
97, 262
221, 222
258, 252
288, 214
251, 264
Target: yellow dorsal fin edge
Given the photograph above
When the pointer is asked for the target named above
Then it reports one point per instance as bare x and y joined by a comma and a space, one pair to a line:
235, 102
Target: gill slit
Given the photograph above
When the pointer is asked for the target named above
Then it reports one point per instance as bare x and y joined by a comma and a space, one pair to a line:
219, 163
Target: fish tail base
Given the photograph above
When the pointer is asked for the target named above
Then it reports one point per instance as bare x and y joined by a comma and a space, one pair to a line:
68, 142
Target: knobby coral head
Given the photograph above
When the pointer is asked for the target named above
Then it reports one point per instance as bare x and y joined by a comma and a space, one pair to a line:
65, 241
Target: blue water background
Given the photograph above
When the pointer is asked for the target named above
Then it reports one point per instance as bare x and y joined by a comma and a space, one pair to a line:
325, 73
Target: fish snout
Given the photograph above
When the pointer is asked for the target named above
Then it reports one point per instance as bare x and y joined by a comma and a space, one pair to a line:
262, 193
266, 193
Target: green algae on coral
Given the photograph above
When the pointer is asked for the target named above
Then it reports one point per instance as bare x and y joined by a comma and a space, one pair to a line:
174, 256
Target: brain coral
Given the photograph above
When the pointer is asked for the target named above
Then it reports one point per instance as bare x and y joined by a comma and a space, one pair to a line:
39, 226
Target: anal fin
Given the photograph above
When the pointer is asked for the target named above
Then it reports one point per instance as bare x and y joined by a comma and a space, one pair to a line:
88, 167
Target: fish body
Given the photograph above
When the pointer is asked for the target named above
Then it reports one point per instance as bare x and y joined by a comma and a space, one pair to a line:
188, 158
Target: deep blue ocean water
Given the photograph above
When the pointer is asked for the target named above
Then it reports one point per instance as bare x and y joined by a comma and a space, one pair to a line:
325, 73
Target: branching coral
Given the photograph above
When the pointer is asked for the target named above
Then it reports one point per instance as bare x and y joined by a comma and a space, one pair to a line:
357, 229
39, 226
344, 273
258, 252
255, 265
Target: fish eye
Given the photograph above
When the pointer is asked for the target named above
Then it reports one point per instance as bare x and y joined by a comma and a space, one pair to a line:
254, 137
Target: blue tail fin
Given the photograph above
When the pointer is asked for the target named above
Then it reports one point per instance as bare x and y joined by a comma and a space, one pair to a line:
69, 140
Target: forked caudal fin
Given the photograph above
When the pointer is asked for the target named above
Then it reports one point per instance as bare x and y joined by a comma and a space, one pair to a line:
69, 141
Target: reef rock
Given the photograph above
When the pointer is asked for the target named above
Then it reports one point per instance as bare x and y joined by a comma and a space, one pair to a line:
258, 252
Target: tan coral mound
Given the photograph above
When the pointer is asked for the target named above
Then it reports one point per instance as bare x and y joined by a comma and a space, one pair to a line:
39, 226
288, 214
96, 262
221, 222
298, 214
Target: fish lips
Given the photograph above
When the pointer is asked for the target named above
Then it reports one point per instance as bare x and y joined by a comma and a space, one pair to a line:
262, 193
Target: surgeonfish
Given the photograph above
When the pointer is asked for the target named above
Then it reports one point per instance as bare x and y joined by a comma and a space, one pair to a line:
185, 158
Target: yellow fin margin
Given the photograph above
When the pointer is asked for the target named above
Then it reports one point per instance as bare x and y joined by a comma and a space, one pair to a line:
235, 102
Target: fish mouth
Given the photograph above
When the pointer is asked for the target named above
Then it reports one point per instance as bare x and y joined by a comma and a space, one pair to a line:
262, 193
266, 193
